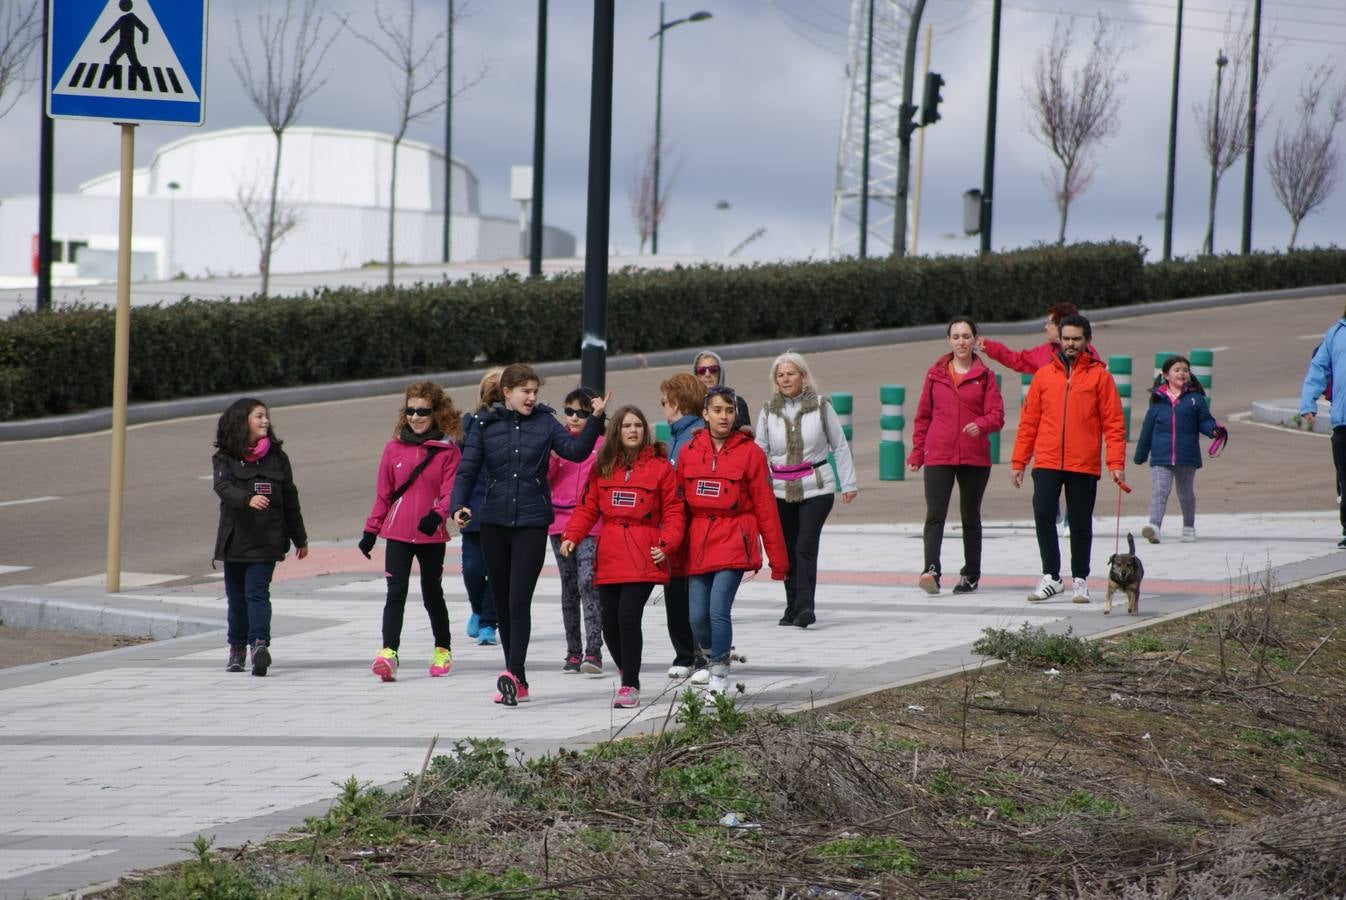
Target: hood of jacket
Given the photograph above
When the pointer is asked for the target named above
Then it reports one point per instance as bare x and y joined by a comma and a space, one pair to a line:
718, 361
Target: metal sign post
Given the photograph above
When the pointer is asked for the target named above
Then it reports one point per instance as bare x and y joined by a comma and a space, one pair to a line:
125, 62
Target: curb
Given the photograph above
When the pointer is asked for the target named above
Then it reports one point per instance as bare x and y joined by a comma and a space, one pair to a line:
140, 413
97, 617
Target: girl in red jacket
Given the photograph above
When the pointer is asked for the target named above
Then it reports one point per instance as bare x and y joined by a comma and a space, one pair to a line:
724, 480
411, 502
960, 407
633, 489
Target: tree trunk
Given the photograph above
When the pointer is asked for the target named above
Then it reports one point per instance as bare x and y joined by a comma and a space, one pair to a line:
271, 220
1294, 233
1208, 245
392, 211
1063, 205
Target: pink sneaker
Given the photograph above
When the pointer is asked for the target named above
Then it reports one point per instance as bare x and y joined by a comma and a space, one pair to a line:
385, 664
509, 690
441, 662
627, 698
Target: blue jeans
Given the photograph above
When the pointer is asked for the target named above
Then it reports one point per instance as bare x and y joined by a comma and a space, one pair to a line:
475, 580
248, 587
710, 600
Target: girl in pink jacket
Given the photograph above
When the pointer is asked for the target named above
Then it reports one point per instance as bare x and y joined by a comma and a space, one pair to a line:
579, 597
411, 502
960, 407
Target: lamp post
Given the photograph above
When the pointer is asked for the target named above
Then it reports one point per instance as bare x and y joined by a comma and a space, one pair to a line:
1172, 140
659, 112
1220, 62
173, 188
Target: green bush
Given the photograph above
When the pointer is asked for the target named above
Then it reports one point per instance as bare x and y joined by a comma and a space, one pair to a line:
61, 362
1037, 646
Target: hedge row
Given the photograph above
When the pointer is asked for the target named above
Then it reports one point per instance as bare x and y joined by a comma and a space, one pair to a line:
61, 362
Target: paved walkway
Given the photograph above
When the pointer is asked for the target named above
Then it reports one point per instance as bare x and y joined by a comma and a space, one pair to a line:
116, 760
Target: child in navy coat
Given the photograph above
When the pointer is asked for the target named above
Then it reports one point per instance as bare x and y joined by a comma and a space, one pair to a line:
1171, 440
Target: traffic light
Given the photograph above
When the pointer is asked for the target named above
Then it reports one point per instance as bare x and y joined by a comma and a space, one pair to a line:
930, 107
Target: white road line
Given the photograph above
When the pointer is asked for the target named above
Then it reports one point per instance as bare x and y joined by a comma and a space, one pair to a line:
5, 570
29, 500
1216, 349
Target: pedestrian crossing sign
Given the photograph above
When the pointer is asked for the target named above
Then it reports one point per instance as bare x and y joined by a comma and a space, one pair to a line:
132, 61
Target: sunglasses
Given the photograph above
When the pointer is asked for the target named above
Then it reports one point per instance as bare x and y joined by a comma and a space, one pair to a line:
707, 370
418, 411
578, 413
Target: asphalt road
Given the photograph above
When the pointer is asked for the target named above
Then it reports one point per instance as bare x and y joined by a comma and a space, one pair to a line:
170, 510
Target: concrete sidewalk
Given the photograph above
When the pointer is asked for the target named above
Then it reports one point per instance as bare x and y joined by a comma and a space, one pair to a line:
116, 760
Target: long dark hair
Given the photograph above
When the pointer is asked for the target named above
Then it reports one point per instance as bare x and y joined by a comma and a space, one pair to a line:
1192, 383
231, 432
613, 452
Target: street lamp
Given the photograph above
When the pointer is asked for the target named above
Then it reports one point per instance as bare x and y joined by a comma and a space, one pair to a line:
659, 111
173, 188
1217, 146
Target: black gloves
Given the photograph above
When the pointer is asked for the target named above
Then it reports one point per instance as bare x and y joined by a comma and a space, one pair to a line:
429, 522
367, 543
1219, 433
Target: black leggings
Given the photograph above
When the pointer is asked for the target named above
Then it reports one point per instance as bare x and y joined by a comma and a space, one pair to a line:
514, 559
623, 606
802, 524
1339, 459
939, 481
397, 557
1081, 490
679, 625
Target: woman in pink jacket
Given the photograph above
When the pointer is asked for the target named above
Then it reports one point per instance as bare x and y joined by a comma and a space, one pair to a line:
411, 502
960, 407
579, 597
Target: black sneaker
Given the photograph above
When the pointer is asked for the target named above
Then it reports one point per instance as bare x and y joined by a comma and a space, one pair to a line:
788, 618
238, 656
1341, 544
804, 619
965, 585
261, 658
929, 581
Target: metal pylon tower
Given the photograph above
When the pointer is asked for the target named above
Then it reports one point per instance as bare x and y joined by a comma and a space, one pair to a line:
890, 34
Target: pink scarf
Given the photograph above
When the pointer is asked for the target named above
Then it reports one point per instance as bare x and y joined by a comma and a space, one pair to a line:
258, 450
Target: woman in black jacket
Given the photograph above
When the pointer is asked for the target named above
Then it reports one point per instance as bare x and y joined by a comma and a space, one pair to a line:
259, 519
510, 448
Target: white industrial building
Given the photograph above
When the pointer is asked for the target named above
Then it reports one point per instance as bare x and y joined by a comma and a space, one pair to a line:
189, 220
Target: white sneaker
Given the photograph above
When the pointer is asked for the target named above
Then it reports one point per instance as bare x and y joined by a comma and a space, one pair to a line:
718, 681
1150, 532
700, 676
1048, 587
1081, 591
1188, 535
679, 671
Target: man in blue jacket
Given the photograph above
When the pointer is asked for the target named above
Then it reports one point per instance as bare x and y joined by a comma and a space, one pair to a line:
1330, 356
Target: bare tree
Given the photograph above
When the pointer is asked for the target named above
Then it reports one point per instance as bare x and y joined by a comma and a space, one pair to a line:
20, 30
286, 74
1304, 164
269, 218
1070, 112
640, 193
1223, 118
417, 67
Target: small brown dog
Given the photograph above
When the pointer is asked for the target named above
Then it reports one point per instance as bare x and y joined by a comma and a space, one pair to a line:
1125, 573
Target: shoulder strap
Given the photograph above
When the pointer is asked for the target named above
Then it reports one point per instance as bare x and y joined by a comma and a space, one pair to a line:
420, 467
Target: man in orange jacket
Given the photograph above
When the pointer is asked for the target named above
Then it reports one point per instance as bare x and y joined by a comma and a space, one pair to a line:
1071, 410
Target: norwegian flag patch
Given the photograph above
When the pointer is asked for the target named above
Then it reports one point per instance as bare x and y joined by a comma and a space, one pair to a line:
261, 487
624, 498
708, 489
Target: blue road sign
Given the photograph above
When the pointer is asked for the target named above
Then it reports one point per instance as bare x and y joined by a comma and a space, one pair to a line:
128, 60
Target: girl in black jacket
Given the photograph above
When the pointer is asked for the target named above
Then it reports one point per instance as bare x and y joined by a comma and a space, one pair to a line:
259, 519
510, 448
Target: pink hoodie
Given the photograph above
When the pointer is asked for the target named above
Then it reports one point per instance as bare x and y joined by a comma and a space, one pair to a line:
567, 480
431, 489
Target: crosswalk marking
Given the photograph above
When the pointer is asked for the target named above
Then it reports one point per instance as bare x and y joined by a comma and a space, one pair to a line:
165, 78
27, 500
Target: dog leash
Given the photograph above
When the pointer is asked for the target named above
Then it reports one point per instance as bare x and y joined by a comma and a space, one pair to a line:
1122, 487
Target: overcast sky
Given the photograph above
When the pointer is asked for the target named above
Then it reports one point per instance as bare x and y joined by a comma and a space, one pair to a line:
753, 104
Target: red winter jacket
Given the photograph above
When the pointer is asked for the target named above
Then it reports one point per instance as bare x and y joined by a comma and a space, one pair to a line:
937, 437
1030, 360
640, 509
733, 511
430, 490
